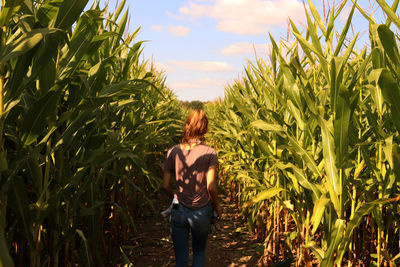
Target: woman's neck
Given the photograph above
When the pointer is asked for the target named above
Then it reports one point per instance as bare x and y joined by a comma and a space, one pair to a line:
191, 143
194, 141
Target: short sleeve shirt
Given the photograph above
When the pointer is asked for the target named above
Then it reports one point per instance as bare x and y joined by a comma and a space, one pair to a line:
190, 168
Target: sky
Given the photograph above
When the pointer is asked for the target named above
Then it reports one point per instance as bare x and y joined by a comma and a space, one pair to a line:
202, 46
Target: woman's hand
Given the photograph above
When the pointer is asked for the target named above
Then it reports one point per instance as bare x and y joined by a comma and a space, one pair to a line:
219, 210
212, 190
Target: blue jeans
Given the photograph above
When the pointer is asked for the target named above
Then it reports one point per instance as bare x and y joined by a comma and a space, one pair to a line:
199, 222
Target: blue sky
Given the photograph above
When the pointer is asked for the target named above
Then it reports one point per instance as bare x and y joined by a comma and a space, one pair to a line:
203, 45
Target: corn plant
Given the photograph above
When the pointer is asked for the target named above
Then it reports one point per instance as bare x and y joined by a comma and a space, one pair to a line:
83, 121
309, 141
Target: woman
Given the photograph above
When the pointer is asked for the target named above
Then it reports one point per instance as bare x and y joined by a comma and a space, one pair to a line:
193, 164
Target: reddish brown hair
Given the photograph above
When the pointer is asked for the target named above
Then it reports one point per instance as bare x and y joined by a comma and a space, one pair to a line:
196, 126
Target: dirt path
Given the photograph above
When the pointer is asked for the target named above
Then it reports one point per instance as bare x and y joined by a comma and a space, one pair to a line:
230, 246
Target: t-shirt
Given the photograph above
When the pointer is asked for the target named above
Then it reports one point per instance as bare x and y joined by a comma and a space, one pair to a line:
190, 168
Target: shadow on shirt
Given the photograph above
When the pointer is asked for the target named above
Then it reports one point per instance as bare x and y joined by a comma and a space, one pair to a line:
191, 175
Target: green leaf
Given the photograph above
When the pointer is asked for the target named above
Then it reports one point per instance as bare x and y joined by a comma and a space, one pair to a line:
308, 47
10, 8
317, 17
72, 128
301, 177
331, 22
7, 108
266, 194
121, 28
341, 128
262, 125
391, 93
314, 37
119, 10
123, 88
297, 114
396, 160
335, 239
332, 178
344, 32
37, 116
318, 212
334, 83
24, 43
307, 157
394, 8
292, 88
47, 13
80, 42
389, 12
318, 252
69, 12
388, 41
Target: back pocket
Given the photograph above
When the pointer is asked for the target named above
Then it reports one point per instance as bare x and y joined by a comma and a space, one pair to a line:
177, 218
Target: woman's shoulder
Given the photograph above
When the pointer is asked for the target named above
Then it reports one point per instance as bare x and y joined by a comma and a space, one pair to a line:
208, 148
172, 149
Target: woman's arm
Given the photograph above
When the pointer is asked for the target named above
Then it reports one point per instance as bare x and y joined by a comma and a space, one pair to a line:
212, 189
166, 184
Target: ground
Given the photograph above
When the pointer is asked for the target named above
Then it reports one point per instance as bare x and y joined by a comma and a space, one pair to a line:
230, 246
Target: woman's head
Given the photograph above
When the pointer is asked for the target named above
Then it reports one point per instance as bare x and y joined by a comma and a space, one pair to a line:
196, 126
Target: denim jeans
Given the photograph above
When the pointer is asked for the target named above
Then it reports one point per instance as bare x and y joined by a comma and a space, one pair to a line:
198, 222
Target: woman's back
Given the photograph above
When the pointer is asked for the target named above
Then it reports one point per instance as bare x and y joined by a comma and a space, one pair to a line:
190, 165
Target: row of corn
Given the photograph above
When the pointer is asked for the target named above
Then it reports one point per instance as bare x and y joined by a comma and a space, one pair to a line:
309, 143
83, 118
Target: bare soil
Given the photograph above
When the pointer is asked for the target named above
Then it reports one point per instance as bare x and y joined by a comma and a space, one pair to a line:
229, 246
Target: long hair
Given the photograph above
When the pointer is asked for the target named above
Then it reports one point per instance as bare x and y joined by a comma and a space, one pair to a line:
196, 126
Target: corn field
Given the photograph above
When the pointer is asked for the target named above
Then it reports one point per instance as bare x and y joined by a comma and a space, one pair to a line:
309, 143
83, 124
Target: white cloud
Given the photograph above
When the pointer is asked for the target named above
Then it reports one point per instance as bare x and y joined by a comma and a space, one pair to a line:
174, 16
194, 10
197, 83
245, 48
201, 65
164, 67
178, 30
204, 89
157, 28
246, 16
184, 85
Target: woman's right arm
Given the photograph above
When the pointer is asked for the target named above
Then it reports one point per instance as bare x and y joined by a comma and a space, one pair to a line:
212, 189
166, 184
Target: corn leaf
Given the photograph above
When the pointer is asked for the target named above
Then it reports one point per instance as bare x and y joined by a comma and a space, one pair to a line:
69, 12
332, 178
389, 12
318, 211
391, 93
344, 32
24, 44
10, 8
37, 116
266, 194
